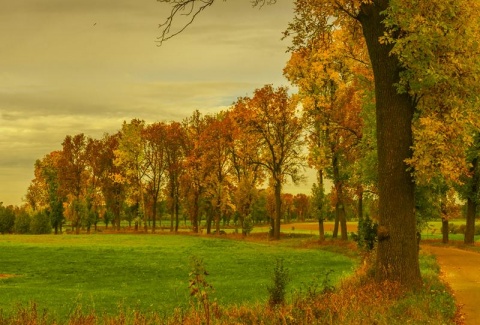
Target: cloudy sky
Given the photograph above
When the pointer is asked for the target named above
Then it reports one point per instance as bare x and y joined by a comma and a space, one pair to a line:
85, 66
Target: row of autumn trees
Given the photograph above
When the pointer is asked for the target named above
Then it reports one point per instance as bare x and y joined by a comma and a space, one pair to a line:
214, 163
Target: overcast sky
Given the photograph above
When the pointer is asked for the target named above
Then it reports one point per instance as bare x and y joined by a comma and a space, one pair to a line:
85, 66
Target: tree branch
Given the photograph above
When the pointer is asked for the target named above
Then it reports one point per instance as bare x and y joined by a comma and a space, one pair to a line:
346, 11
179, 7
191, 8
261, 3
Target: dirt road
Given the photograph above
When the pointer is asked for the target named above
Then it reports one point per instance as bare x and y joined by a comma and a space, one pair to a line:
462, 272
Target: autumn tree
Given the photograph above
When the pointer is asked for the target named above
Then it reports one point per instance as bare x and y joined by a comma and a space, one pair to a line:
244, 150
319, 205
155, 156
174, 156
130, 156
441, 68
114, 191
412, 68
272, 115
193, 181
44, 192
94, 195
73, 177
329, 72
301, 204
215, 141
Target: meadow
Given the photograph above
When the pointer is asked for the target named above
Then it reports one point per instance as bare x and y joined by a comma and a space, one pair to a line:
150, 273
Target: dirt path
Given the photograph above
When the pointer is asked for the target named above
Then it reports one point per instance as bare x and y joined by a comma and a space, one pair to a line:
462, 272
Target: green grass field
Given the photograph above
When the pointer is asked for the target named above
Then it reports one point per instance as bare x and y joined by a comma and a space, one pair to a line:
147, 272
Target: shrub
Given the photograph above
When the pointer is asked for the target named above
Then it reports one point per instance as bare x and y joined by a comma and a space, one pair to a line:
40, 223
455, 229
367, 233
7, 219
247, 225
278, 289
22, 223
200, 289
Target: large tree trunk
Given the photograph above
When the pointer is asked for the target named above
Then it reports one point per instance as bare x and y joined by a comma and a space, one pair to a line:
397, 253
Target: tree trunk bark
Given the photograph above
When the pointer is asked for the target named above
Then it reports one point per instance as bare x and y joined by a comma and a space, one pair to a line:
470, 225
196, 207
321, 229
360, 204
154, 214
397, 253
177, 208
445, 230
278, 209
218, 217
343, 221
335, 226
443, 211
271, 233
472, 205
321, 217
340, 205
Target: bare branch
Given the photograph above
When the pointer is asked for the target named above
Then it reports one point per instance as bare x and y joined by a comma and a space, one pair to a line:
187, 8
261, 3
191, 8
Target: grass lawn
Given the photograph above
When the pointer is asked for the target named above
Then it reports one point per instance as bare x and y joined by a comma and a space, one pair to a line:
147, 272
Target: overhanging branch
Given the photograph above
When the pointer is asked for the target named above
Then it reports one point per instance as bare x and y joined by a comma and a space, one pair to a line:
191, 8
187, 8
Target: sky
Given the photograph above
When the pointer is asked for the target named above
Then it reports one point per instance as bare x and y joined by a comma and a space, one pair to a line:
85, 66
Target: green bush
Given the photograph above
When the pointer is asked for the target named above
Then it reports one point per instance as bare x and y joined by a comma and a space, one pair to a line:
7, 219
40, 223
367, 233
247, 225
22, 223
280, 280
460, 229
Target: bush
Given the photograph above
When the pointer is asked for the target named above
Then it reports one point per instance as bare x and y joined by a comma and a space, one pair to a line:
22, 223
278, 289
40, 223
367, 233
247, 225
7, 219
455, 229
